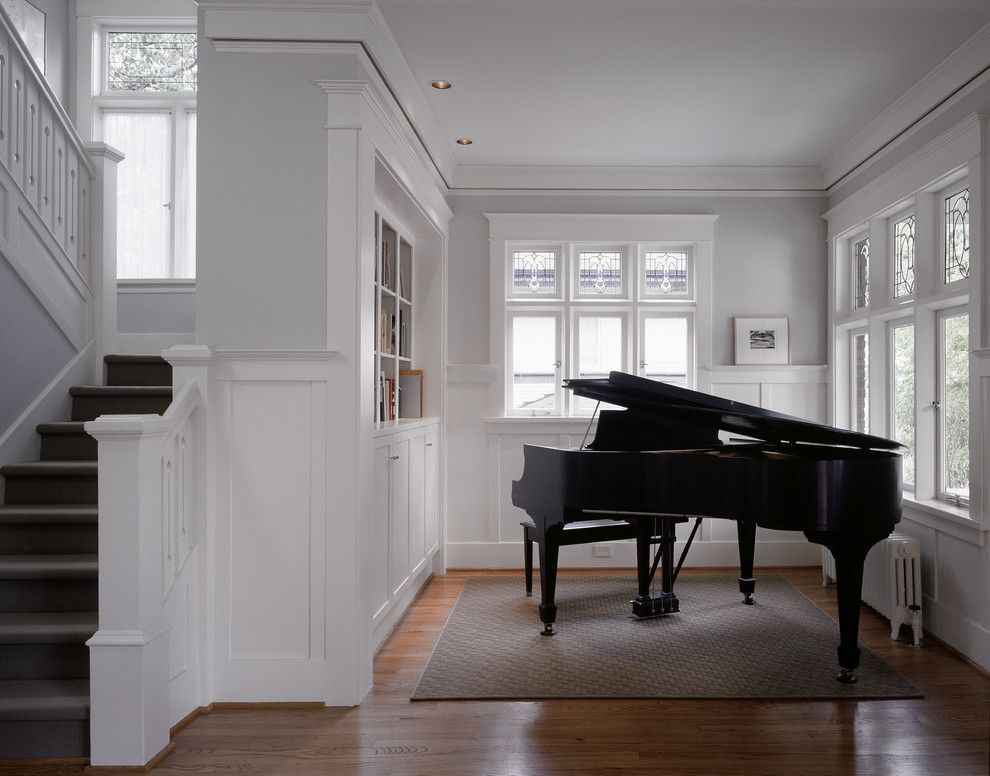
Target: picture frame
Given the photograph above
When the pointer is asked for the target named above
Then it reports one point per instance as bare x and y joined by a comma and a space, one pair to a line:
763, 340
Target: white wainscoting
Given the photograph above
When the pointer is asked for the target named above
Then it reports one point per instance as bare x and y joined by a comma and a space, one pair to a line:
796, 390
271, 475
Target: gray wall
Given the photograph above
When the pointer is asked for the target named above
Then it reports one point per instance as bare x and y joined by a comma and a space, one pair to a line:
156, 312
32, 348
770, 258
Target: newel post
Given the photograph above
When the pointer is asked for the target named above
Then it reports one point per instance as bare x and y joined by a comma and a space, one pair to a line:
129, 655
102, 246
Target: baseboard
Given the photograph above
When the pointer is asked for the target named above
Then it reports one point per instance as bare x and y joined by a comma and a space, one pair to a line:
20, 442
384, 627
100, 770
509, 555
970, 639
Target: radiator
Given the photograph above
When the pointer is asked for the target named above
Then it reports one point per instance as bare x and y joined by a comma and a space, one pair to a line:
891, 581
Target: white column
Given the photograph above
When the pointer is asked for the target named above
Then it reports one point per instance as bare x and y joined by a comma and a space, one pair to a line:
129, 667
103, 246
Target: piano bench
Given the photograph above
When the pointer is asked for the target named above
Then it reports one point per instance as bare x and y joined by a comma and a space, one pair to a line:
578, 532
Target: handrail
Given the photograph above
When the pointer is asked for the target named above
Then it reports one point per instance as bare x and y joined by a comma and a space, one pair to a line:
46, 88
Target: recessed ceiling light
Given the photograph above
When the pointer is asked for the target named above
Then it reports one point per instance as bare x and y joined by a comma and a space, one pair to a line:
441, 84
464, 141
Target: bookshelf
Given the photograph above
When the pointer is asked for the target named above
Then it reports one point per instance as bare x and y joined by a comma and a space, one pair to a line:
394, 267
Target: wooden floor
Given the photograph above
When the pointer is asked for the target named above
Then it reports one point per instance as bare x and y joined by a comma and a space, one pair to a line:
946, 733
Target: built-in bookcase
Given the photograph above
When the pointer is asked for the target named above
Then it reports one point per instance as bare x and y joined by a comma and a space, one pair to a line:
394, 268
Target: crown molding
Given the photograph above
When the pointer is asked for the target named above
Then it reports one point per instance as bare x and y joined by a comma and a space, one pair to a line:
602, 227
803, 180
934, 92
303, 26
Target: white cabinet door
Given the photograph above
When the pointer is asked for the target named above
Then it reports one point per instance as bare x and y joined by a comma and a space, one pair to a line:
417, 479
379, 532
432, 495
398, 515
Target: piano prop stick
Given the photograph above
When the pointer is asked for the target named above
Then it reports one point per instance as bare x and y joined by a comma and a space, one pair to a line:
660, 459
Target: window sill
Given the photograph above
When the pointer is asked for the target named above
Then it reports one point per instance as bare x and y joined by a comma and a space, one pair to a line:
945, 518
530, 423
156, 285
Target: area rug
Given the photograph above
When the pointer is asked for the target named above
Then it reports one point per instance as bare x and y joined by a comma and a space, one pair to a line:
715, 647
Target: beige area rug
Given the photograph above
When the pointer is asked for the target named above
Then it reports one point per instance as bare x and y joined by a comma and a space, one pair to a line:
715, 647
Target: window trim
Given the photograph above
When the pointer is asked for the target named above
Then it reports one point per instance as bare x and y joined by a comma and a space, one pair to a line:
561, 263
636, 231
559, 349
642, 250
575, 249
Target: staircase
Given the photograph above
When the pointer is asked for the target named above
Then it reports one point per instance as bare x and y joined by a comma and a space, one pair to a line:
48, 566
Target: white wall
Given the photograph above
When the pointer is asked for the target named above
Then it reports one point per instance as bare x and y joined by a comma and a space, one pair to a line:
154, 316
769, 258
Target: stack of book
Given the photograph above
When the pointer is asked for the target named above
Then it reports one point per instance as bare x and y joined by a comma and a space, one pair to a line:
387, 400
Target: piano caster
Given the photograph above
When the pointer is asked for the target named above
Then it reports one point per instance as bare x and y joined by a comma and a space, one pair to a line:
548, 629
646, 606
746, 586
846, 676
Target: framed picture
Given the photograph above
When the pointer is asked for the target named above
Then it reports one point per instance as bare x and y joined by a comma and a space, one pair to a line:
29, 21
763, 340
410, 393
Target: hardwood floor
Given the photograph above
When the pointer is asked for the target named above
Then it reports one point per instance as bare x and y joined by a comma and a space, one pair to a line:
948, 732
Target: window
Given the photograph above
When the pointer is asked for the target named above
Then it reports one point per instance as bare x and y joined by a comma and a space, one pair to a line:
953, 425
956, 228
861, 273
147, 109
903, 253
902, 399
583, 310
860, 370
914, 372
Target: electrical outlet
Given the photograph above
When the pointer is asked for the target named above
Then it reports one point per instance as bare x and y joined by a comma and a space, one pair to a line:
601, 550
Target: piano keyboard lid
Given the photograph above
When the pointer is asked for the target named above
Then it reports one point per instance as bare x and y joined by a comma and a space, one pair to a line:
643, 395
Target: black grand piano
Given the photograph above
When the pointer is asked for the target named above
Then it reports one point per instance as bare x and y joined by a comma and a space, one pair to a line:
661, 460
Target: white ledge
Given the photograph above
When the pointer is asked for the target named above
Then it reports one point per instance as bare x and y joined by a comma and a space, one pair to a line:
118, 427
189, 355
129, 638
945, 518
156, 285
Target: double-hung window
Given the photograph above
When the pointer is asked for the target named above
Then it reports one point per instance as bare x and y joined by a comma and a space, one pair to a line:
146, 108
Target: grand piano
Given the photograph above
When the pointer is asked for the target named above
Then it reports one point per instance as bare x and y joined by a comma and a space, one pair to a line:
660, 460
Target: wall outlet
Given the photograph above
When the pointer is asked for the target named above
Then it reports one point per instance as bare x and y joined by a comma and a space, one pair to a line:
601, 550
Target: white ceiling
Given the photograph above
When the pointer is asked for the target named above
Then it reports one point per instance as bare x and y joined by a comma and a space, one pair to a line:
669, 82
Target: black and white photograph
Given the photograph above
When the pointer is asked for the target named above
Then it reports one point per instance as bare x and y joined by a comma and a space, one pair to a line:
762, 340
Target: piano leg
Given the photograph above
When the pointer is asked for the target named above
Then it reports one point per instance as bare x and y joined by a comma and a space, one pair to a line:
850, 554
747, 544
528, 559
646, 605
549, 551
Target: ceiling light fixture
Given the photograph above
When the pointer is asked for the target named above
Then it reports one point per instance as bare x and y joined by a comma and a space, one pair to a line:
464, 141
441, 84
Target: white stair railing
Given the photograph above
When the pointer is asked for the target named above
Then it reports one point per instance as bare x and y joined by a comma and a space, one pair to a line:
150, 495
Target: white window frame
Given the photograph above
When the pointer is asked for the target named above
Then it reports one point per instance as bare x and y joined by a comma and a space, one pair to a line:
560, 260
911, 190
180, 105
642, 295
940, 465
892, 223
575, 251
634, 234
577, 312
535, 312
891, 326
680, 312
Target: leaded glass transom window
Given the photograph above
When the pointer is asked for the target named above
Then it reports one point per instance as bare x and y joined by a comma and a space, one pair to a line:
957, 236
904, 257
534, 273
600, 273
665, 273
151, 61
861, 259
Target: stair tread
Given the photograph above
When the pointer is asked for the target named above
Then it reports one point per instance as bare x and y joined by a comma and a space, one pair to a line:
81, 566
48, 513
120, 390
149, 359
47, 627
44, 699
62, 427
50, 468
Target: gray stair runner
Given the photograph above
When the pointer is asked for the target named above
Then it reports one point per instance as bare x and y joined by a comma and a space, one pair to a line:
48, 566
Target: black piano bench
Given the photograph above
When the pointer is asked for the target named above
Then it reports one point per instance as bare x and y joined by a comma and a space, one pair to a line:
578, 532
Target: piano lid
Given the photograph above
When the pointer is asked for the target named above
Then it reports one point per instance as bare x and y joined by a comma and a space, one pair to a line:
638, 393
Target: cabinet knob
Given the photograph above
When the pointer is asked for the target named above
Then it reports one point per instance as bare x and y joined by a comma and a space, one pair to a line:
394, 457
429, 444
